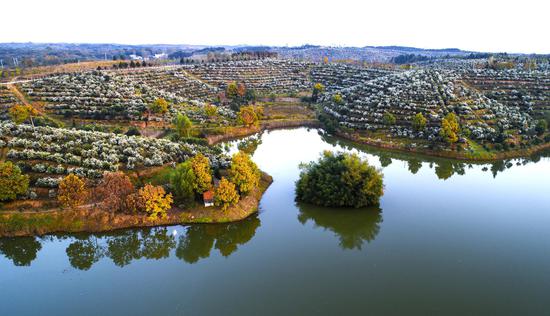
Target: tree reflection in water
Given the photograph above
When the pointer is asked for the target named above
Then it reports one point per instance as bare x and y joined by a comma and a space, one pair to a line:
444, 168
125, 246
352, 226
20, 250
199, 240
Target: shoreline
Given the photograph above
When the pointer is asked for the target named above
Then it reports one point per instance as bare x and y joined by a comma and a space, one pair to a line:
241, 132
91, 220
451, 154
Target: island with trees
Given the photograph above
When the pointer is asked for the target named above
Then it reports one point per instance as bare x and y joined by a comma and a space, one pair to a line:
340, 180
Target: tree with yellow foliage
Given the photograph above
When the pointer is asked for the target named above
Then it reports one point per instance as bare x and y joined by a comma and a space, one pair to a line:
203, 173
450, 128
318, 89
232, 90
72, 191
250, 115
19, 113
210, 110
226, 195
12, 181
155, 201
159, 106
244, 172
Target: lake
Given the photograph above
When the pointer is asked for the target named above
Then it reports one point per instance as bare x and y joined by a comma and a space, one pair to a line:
449, 238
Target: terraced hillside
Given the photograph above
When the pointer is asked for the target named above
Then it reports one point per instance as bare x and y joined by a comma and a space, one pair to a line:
434, 93
121, 95
270, 75
48, 153
7, 99
174, 80
527, 90
339, 76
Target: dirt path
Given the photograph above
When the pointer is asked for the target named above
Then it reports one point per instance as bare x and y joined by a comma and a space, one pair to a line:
23, 99
18, 93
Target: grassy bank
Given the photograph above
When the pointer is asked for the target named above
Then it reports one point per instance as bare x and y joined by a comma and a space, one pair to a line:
90, 219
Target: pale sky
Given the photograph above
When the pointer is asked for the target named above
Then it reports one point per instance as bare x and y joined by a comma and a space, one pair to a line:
496, 26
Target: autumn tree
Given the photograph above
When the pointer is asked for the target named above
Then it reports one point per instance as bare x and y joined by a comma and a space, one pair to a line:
419, 122
155, 201
238, 95
12, 181
226, 194
210, 110
337, 98
241, 90
318, 89
203, 173
450, 128
72, 191
244, 172
183, 125
232, 91
183, 181
250, 115
389, 119
19, 113
159, 106
113, 190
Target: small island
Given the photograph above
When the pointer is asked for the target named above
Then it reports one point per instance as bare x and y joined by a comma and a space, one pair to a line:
340, 180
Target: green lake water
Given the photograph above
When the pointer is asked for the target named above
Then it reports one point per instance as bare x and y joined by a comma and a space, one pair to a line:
449, 238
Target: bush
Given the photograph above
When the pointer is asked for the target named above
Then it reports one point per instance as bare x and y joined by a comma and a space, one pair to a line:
389, 119
244, 172
72, 191
12, 182
226, 194
339, 180
133, 131
541, 127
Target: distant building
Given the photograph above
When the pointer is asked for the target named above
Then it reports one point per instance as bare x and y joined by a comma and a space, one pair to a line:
208, 198
135, 57
161, 56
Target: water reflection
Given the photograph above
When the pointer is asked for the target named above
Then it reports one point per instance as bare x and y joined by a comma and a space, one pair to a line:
443, 168
352, 226
199, 240
20, 250
122, 247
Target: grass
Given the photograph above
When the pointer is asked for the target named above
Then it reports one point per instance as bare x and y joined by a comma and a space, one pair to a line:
160, 177
33, 223
477, 152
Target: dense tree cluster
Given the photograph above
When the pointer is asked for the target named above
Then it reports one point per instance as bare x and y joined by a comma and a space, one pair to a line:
340, 180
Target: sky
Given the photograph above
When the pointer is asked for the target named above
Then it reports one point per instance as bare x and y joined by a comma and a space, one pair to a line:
491, 26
